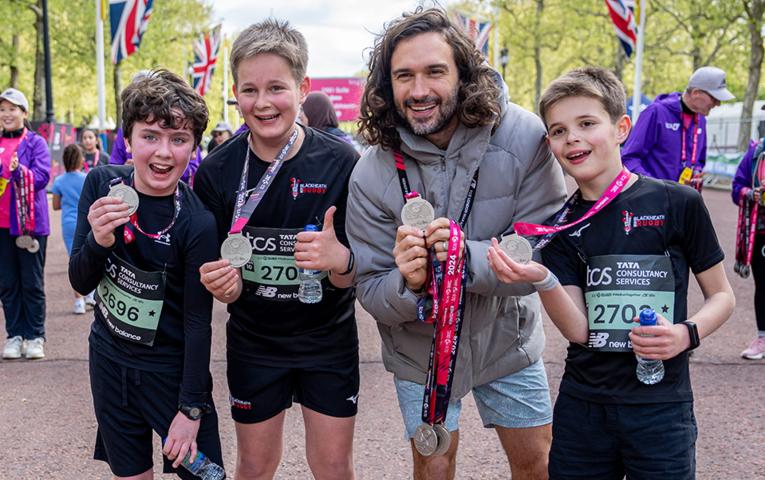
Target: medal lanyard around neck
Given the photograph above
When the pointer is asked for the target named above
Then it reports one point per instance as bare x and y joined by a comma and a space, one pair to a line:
549, 231
243, 211
684, 132
445, 290
128, 234
25, 201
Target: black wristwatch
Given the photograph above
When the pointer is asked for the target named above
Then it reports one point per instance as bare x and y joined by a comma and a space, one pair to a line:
693, 334
351, 262
192, 412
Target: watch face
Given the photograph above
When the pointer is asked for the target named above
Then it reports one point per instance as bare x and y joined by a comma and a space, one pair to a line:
195, 412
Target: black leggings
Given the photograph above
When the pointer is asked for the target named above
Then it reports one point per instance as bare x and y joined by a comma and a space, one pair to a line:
758, 272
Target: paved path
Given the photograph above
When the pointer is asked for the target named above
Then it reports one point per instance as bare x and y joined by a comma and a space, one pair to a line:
47, 427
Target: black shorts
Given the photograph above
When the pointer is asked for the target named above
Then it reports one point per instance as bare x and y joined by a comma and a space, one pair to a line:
129, 405
260, 392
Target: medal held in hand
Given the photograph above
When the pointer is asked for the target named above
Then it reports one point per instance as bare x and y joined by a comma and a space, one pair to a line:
236, 249
417, 212
517, 248
126, 194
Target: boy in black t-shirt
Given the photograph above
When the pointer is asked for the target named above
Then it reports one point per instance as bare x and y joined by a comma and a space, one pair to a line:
278, 348
150, 339
632, 249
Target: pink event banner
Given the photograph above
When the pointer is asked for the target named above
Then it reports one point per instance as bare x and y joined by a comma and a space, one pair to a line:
345, 94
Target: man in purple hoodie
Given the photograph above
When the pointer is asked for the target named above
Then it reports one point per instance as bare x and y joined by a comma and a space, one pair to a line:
669, 140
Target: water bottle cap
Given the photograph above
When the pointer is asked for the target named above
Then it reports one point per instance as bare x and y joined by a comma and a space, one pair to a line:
647, 317
311, 228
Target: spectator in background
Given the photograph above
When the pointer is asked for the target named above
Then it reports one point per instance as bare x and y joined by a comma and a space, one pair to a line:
220, 134
321, 115
669, 140
94, 156
24, 162
66, 196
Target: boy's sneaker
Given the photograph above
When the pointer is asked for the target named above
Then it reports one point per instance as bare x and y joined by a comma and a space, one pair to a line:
35, 348
79, 306
90, 300
756, 350
13, 348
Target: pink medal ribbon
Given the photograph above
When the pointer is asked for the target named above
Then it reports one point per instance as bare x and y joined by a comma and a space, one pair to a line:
613, 190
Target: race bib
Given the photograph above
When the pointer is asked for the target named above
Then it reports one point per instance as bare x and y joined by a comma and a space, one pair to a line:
618, 288
271, 270
130, 300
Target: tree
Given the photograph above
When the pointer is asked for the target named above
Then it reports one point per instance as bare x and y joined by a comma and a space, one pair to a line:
753, 10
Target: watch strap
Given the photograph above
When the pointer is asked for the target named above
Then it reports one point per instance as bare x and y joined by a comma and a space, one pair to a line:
351, 263
693, 334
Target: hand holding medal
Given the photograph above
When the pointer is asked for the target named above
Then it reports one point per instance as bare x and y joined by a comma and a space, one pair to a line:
510, 270
105, 215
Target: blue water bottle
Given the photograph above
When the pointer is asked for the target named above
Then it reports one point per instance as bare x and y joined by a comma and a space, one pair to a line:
649, 372
310, 280
201, 466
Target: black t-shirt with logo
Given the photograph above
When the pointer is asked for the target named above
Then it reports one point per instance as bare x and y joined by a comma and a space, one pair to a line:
652, 217
183, 332
264, 327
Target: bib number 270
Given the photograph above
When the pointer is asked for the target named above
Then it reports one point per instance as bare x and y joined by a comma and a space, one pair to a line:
608, 314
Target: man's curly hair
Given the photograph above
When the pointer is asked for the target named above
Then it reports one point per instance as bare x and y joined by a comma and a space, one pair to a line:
478, 92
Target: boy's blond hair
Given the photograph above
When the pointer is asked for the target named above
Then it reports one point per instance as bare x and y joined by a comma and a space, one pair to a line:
275, 37
592, 82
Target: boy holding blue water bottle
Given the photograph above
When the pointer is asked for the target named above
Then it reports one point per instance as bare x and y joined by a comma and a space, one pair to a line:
622, 244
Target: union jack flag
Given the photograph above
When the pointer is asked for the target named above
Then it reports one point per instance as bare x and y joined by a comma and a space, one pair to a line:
128, 21
205, 56
477, 31
623, 15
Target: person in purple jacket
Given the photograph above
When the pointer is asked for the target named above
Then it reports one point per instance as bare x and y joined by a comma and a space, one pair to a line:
669, 140
746, 193
24, 228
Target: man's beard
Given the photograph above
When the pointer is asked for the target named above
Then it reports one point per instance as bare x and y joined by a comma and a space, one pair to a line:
447, 110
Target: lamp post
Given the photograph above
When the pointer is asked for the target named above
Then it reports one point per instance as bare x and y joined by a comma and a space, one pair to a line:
504, 57
49, 115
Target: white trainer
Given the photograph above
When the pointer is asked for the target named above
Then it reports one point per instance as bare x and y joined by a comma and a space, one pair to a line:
79, 306
35, 348
13, 348
90, 300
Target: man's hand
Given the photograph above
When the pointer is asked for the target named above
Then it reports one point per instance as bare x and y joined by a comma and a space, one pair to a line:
222, 280
322, 250
510, 271
437, 236
104, 216
14, 162
666, 341
411, 256
181, 439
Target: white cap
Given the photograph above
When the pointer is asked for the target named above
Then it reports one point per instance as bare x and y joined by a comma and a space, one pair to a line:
15, 97
712, 81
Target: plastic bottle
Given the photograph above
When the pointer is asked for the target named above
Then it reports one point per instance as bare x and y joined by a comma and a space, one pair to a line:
201, 466
649, 372
310, 280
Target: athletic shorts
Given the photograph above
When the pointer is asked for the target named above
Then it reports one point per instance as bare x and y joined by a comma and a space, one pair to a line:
130, 404
518, 400
609, 441
260, 392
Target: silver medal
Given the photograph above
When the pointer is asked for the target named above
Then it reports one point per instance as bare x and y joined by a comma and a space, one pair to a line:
24, 241
34, 247
517, 248
444, 439
417, 212
126, 194
236, 249
425, 440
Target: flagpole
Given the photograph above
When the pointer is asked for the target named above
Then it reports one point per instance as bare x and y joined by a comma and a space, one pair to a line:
636, 94
100, 76
495, 27
225, 78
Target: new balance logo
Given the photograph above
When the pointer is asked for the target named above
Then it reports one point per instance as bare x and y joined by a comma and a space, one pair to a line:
353, 399
598, 339
268, 292
578, 232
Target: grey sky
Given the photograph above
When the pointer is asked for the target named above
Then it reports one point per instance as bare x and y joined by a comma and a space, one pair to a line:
337, 31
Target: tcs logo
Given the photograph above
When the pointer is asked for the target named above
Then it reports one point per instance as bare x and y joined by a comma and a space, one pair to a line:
599, 276
262, 244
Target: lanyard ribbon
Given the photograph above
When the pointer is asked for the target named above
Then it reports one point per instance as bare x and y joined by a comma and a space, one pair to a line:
243, 211
25, 201
154, 236
745, 230
549, 231
446, 292
684, 130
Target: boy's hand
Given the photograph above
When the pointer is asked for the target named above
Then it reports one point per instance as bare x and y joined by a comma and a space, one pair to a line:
666, 341
411, 256
510, 271
437, 236
181, 439
104, 216
321, 250
221, 280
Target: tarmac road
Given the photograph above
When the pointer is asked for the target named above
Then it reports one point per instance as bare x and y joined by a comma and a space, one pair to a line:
47, 426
